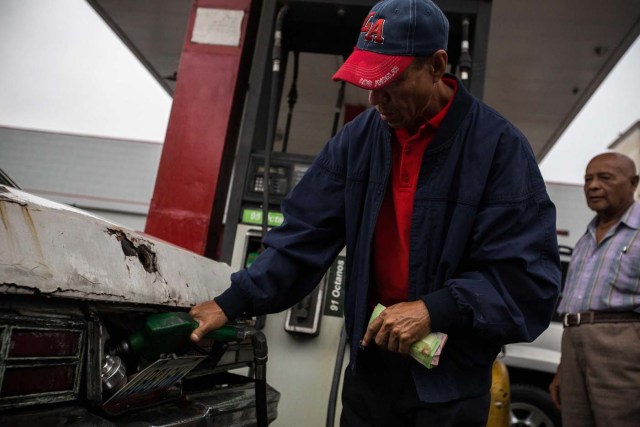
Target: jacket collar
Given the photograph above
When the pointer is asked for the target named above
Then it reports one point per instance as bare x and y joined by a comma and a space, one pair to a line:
459, 108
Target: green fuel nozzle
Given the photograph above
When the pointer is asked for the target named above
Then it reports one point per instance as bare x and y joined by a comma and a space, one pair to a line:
163, 333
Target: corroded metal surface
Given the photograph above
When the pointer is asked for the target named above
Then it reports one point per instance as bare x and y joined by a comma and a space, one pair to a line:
52, 249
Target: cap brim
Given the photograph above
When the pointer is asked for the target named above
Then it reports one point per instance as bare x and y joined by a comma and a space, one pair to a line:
371, 70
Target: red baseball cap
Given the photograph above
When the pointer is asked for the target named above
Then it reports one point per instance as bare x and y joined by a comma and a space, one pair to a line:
392, 35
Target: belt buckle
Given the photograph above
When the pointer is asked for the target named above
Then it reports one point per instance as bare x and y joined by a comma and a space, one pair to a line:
566, 322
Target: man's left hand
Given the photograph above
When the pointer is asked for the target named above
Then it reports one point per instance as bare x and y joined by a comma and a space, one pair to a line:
399, 326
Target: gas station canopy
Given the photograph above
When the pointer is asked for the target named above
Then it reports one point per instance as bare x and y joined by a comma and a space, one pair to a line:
544, 59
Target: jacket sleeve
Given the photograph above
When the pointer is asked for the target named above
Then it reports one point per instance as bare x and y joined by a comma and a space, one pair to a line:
297, 253
507, 284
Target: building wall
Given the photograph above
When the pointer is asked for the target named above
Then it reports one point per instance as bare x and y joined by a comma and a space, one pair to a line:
110, 177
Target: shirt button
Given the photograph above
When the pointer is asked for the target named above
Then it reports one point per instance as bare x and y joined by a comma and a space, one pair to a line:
405, 178
407, 151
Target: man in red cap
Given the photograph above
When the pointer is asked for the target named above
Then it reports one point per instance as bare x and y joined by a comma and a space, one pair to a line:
446, 222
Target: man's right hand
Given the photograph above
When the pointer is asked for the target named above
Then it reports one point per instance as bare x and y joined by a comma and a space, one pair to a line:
399, 326
209, 316
554, 388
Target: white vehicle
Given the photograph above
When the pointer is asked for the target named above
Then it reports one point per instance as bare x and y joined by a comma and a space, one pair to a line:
94, 330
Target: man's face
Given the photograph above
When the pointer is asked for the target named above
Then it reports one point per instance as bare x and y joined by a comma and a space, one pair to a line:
608, 185
404, 102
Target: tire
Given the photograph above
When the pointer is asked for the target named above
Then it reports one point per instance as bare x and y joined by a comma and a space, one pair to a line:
532, 407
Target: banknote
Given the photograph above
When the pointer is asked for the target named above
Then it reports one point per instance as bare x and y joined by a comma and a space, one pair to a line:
427, 350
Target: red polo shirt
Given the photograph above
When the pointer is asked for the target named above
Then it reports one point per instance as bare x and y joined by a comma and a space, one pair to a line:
392, 233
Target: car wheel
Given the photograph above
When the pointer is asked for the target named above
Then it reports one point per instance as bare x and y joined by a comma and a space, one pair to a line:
533, 407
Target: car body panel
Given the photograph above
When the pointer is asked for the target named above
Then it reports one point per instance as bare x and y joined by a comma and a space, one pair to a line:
541, 355
56, 250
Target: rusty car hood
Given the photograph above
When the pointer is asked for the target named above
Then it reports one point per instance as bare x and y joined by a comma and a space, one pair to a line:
51, 249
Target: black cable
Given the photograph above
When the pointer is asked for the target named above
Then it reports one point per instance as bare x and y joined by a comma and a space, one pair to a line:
464, 63
335, 382
339, 102
293, 97
260, 352
342, 346
273, 117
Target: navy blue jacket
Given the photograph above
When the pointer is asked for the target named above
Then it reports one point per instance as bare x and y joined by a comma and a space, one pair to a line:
483, 251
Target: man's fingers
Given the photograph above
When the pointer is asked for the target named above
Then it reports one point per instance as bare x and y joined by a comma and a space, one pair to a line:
372, 332
390, 341
555, 396
199, 332
209, 316
404, 347
554, 389
202, 330
195, 312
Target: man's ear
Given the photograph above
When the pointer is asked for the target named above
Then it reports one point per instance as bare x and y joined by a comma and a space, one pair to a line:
634, 181
439, 61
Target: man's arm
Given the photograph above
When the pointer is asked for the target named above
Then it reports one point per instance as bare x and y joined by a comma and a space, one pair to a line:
296, 254
507, 283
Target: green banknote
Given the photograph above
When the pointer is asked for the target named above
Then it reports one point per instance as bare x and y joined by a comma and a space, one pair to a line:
427, 350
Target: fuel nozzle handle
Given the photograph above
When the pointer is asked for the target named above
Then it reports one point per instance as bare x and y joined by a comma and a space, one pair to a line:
226, 333
165, 332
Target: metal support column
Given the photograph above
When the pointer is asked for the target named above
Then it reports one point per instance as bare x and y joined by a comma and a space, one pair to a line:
193, 177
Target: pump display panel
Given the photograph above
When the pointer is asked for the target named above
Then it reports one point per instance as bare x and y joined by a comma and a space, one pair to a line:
285, 172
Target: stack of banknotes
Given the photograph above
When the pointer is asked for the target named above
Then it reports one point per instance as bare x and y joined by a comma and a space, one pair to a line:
427, 350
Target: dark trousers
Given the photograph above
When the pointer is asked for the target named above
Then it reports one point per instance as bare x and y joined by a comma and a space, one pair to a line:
382, 394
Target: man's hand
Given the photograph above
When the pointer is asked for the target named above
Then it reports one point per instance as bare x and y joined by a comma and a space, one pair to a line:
399, 326
554, 388
209, 316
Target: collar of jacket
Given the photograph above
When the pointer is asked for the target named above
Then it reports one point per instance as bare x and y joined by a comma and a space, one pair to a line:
459, 108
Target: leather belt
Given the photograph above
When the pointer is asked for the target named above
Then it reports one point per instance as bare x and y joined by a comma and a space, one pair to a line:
576, 319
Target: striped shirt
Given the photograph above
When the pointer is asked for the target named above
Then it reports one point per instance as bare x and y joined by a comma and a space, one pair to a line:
605, 276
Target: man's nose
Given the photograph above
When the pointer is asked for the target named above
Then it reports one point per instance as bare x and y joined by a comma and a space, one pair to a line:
592, 184
376, 96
